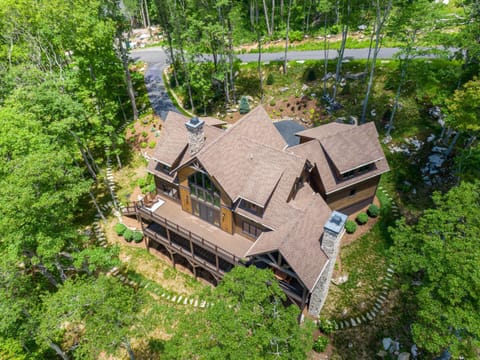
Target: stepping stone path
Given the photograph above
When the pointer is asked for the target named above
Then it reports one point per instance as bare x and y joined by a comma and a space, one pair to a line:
115, 271
383, 296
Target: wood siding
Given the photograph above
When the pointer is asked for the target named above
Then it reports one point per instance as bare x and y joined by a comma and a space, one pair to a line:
185, 199
226, 220
343, 199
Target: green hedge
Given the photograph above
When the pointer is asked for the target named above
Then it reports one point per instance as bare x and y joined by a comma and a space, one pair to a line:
128, 235
120, 229
350, 226
320, 345
362, 218
373, 211
137, 236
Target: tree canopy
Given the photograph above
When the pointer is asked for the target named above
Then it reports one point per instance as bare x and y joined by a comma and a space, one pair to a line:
245, 319
442, 252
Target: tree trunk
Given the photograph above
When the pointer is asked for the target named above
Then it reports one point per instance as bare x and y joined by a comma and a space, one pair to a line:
272, 22
326, 47
131, 355
142, 13
147, 15
99, 211
128, 77
286, 37
380, 22
265, 9
230, 58
452, 144
397, 96
58, 350
340, 57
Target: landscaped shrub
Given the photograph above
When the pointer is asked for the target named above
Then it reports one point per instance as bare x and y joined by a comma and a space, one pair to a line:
144, 134
128, 235
270, 79
244, 107
362, 218
120, 229
272, 103
143, 144
373, 211
326, 326
350, 226
152, 144
320, 345
137, 236
295, 35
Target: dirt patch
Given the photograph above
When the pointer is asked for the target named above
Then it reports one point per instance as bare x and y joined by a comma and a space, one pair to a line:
151, 264
304, 110
143, 134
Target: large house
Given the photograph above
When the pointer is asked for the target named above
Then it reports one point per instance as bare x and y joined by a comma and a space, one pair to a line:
241, 196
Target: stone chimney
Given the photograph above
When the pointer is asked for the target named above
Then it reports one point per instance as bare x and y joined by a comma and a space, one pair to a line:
196, 137
333, 231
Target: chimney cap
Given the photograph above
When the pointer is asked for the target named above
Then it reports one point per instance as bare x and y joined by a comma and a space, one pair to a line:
336, 222
194, 123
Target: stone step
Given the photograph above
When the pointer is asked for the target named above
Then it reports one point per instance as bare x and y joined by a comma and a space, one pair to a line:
195, 304
179, 298
174, 298
202, 305
353, 322
185, 301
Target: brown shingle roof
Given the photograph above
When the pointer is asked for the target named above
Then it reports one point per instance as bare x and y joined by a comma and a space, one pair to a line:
172, 147
210, 121
298, 238
353, 148
313, 151
324, 131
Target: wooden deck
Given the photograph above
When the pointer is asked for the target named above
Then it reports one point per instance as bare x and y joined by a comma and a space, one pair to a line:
201, 244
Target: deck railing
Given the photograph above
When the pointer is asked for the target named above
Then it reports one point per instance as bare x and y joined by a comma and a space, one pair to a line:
141, 209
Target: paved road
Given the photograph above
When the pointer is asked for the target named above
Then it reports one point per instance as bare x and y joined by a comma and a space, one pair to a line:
156, 60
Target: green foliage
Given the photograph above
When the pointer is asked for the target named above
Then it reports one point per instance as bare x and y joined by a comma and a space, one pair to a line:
442, 252
128, 235
326, 326
310, 75
144, 134
373, 211
246, 320
350, 226
320, 345
295, 35
362, 218
244, 106
143, 145
147, 183
270, 79
137, 236
99, 311
152, 144
120, 229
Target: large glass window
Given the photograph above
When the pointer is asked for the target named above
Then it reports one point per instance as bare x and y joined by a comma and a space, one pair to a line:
203, 189
205, 198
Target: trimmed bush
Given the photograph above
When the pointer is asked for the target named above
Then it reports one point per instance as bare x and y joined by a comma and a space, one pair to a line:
137, 236
362, 218
128, 235
120, 229
270, 79
143, 144
152, 144
373, 211
320, 345
350, 226
326, 326
244, 106
144, 134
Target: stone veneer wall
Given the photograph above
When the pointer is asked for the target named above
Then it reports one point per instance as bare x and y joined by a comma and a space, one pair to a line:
331, 246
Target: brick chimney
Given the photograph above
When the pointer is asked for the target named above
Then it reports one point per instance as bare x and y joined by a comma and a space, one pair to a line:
333, 231
196, 137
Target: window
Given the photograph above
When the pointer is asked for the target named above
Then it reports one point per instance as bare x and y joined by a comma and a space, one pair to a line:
202, 188
163, 168
251, 229
251, 208
205, 198
353, 192
361, 170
